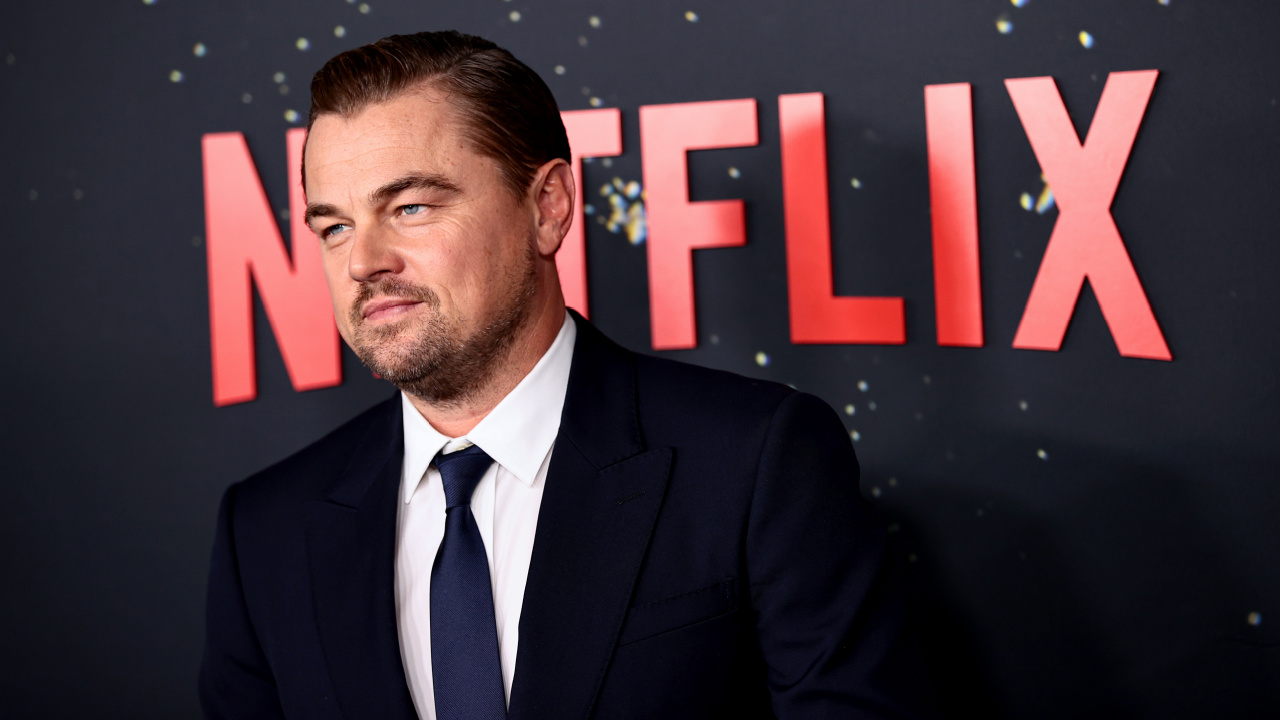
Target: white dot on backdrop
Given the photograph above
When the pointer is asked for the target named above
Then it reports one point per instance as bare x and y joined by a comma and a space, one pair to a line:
1004, 26
735, 173
762, 359
246, 98
148, 2
77, 194
855, 435
1086, 39
849, 409
871, 405
559, 69
582, 40
514, 15
291, 115
1042, 454
176, 76
856, 183
339, 31
596, 102
876, 491
199, 50
1022, 405
364, 8
34, 195
1255, 619
691, 16
10, 59
278, 77
303, 44
863, 386
594, 20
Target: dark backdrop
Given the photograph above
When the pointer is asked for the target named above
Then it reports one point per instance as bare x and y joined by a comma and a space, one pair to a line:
1081, 533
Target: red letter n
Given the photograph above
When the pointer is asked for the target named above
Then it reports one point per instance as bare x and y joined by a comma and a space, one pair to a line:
817, 316
677, 226
245, 246
1085, 242
592, 133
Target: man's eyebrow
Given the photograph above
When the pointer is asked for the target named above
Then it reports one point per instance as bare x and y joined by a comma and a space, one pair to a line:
415, 181
319, 210
430, 181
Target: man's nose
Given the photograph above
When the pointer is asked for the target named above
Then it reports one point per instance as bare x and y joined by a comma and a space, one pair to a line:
374, 251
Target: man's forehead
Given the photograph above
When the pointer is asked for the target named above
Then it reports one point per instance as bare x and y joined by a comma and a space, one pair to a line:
412, 128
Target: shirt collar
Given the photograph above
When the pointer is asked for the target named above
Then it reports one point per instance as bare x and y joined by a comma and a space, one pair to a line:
517, 433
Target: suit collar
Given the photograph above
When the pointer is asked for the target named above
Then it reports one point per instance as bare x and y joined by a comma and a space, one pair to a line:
351, 538
600, 416
599, 505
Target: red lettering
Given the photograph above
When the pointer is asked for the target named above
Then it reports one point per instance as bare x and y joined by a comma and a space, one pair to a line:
953, 200
592, 133
817, 316
677, 226
1085, 243
245, 247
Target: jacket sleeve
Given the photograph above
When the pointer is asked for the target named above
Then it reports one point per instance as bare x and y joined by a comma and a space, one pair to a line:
235, 678
830, 616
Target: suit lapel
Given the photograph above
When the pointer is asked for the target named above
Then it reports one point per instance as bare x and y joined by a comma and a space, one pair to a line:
603, 492
351, 539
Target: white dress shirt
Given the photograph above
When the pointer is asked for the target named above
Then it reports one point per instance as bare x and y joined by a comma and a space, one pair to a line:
518, 434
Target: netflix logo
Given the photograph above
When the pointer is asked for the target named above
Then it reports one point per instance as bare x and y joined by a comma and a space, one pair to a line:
245, 247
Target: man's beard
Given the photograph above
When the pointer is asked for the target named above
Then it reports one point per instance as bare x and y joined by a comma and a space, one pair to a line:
437, 364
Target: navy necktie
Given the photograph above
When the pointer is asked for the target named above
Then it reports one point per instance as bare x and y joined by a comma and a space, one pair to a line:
465, 669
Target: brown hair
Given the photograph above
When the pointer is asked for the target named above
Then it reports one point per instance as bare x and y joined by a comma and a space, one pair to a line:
509, 111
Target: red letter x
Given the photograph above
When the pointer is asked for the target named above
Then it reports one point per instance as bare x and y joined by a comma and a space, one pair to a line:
1085, 242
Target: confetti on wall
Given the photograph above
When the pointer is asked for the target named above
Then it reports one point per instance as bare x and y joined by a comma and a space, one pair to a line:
627, 203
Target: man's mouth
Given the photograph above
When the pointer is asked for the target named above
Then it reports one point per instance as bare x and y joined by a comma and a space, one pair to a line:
386, 309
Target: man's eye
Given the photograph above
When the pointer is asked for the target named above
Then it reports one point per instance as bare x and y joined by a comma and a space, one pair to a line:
332, 230
412, 209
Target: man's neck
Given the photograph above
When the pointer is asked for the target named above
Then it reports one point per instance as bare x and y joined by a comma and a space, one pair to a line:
457, 418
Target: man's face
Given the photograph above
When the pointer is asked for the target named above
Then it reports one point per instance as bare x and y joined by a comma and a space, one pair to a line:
429, 258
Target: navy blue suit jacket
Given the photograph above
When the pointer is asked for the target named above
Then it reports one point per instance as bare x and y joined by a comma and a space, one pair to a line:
702, 551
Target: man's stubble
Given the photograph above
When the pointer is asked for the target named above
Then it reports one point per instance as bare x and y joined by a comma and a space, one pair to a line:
438, 364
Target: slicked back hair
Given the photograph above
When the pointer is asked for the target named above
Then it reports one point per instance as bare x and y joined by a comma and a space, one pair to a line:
507, 111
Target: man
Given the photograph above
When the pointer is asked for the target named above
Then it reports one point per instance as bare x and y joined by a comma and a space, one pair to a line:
541, 524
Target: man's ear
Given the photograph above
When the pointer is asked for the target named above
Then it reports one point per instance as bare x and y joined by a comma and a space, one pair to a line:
553, 196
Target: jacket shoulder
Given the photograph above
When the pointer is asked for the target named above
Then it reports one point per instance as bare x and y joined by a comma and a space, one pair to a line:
693, 388
311, 472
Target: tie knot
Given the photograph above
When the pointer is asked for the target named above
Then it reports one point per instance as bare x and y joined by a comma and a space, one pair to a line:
461, 472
